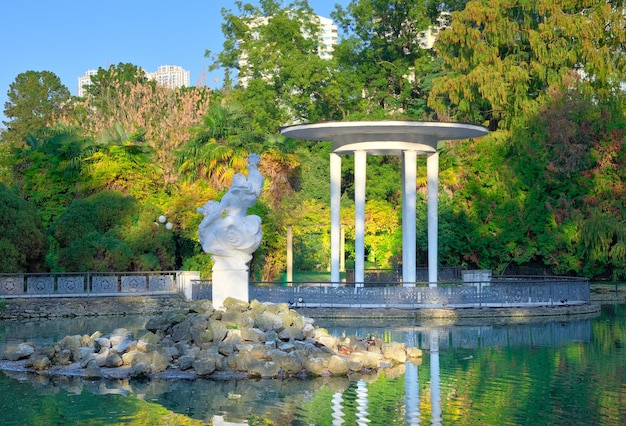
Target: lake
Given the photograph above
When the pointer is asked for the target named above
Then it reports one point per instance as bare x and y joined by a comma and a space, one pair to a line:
546, 371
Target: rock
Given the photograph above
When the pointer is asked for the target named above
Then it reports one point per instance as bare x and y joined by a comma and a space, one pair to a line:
92, 370
124, 346
414, 352
39, 361
181, 331
291, 333
225, 348
21, 351
72, 343
338, 365
164, 322
315, 366
119, 335
159, 361
268, 321
148, 342
113, 360
290, 364
101, 342
139, 370
235, 305
185, 362
253, 335
64, 357
204, 367
395, 352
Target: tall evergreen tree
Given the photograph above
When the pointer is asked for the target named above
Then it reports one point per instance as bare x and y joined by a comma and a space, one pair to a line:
34, 98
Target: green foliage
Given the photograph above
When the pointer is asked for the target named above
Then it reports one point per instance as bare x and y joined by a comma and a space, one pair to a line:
23, 242
219, 147
47, 170
34, 98
112, 232
502, 56
283, 79
381, 64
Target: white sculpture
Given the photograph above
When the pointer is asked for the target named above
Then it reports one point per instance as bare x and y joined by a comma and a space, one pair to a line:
230, 236
226, 232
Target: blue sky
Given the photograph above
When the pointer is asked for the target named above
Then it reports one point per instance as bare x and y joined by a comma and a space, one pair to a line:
68, 37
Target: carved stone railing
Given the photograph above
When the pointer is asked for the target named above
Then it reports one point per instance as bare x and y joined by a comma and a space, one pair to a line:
91, 284
499, 292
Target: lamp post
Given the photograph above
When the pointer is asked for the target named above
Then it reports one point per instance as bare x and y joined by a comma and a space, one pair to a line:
163, 220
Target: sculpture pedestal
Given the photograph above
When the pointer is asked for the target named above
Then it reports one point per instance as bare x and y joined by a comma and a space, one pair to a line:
229, 281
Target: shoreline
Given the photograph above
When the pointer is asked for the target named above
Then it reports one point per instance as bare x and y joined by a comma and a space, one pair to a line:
452, 315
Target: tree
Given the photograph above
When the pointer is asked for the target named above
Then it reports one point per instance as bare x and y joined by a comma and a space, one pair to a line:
23, 241
123, 97
502, 55
108, 85
281, 76
383, 58
109, 231
47, 170
219, 147
34, 99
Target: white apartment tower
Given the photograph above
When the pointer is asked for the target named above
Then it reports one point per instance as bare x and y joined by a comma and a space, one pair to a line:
171, 76
84, 81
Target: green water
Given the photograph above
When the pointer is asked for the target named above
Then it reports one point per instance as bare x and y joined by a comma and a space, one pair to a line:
540, 373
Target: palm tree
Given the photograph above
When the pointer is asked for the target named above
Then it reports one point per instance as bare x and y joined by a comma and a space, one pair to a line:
220, 146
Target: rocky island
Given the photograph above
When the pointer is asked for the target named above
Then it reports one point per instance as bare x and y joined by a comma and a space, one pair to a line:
243, 340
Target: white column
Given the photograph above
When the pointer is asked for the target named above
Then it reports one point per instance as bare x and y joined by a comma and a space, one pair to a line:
289, 255
409, 194
404, 216
335, 217
432, 170
360, 165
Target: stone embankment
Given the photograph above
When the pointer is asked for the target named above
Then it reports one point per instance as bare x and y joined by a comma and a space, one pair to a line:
245, 340
55, 307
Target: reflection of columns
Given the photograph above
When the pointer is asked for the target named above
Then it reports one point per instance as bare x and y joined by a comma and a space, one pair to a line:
337, 408
335, 217
435, 386
289, 255
409, 193
361, 400
360, 164
432, 170
411, 394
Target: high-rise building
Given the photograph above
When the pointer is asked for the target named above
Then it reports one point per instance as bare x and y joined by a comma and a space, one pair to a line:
171, 76
328, 38
84, 81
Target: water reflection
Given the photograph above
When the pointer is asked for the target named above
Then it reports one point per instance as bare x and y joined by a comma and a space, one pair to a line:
547, 368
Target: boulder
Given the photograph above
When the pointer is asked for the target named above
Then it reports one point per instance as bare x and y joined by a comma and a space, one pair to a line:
21, 351
235, 305
204, 367
38, 362
92, 370
315, 366
395, 352
338, 365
